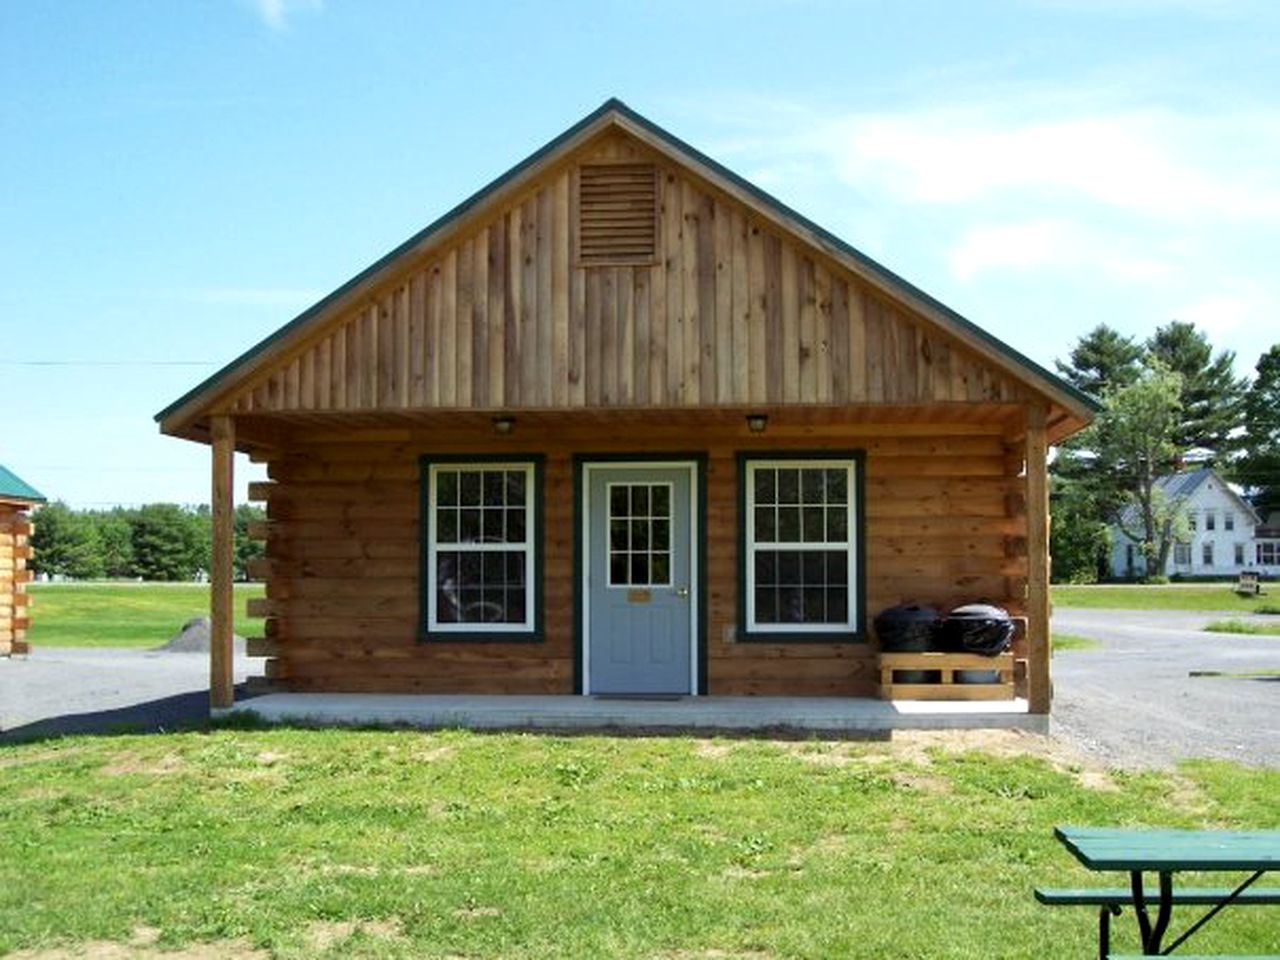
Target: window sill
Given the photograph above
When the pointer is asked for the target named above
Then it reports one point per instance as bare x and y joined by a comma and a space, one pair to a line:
765, 636
438, 637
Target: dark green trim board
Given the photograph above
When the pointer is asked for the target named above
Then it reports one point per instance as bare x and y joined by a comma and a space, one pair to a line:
859, 635
580, 461
694, 158
537, 501
13, 487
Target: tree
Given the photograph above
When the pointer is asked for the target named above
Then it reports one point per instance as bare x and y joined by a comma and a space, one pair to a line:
247, 548
66, 543
1211, 394
1258, 469
1079, 539
1136, 430
165, 544
1102, 359
116, 538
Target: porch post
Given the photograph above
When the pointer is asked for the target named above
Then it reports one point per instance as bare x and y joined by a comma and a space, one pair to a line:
1037, 480
221, 605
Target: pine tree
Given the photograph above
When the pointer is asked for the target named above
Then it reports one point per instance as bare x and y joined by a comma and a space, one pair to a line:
1258, 469
1212, 395
1102, 359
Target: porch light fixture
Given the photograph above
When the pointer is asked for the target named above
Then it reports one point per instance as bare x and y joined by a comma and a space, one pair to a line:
756, 422
504, 425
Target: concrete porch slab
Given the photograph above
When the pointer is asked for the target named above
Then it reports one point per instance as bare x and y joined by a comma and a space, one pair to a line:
832, 715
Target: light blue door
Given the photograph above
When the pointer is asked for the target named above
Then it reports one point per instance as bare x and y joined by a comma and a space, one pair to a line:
640, 602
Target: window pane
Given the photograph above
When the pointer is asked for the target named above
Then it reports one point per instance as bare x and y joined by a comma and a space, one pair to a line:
766, 525
618, 569
661, 569
447, 525
790, 605
661, 534
813, 567
447, 487
788, 567
766, 605
492, 517
494, 568
515, 605
639, 500
837, 524
788, 486
766, 568
469, 569
469, 488
618, 534
618, 505
640, 568
469, 525
813, 485
837, 604
515, 525
788, 525
639, 534
837, 486
837, 567
662, 501
766, 486
515, 488
494, 484
815, 605
814, 528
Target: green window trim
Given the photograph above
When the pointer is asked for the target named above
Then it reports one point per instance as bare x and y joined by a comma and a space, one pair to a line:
532, 630
853, 630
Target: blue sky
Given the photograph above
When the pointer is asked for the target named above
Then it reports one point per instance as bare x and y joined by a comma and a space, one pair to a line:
180, 179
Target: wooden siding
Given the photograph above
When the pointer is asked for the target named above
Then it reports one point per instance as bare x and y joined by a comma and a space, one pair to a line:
945, 523
730, 313
15, 550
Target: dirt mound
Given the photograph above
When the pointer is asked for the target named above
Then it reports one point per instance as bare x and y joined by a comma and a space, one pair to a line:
194, 638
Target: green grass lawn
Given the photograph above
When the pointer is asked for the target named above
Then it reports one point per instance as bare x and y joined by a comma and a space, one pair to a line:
1258, 627
1073, 641
124, 614
1175, 596
298, 843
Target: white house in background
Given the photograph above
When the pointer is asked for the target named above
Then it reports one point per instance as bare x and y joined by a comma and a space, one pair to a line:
1226, 535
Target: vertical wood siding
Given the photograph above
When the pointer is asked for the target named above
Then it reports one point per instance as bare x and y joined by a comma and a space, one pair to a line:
730, 313
945, 524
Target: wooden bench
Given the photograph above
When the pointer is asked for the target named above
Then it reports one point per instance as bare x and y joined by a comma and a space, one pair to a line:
1109, 900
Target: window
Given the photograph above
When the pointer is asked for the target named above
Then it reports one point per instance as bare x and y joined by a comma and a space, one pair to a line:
1228, 520
801, 553
1210, 520
1206, 555
1191, 520
480, 554
639, 534
1239, 554
1269, 552
1182, 554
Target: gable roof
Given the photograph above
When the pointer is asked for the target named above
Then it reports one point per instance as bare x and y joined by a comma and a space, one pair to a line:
1183, 486
14, 488
613, 113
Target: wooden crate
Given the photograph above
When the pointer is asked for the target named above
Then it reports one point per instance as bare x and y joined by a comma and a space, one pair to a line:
946, 664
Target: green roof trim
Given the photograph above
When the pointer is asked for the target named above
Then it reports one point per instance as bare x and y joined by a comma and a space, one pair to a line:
13, 487
614, 105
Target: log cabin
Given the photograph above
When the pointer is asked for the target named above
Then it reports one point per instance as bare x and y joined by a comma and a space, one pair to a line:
17, 498
621, 423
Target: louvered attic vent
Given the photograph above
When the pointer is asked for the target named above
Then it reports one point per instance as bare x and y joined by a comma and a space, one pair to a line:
617, 213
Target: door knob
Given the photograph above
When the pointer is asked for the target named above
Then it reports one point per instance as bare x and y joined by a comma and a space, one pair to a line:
682, 592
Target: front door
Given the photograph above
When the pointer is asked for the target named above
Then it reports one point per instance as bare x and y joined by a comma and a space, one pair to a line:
639, 579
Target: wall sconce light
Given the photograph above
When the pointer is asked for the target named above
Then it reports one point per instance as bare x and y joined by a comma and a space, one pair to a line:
756, 422
504, 425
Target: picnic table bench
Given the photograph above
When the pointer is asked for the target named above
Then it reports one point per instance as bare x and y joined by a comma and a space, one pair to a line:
1166, 852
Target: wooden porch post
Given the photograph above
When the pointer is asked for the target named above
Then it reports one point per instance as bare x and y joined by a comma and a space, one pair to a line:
221, 604
1037, 466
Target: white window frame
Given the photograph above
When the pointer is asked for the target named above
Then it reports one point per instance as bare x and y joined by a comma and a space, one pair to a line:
433, 547
1239, 554
1206, 554
1228, 520
1210, 520
1182, 554
850, 545
1267, 553
608, 513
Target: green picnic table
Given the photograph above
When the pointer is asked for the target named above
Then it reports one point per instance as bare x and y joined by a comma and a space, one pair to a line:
1168, 853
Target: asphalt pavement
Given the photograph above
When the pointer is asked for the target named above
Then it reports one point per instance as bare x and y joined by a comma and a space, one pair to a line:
1160, 689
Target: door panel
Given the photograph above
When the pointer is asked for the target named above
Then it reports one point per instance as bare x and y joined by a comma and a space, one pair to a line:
639, 635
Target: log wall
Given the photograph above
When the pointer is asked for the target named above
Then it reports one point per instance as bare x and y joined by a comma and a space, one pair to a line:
15, 550
945, 524
729, 312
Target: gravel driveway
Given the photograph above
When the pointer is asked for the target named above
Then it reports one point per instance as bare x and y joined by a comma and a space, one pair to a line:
78, 690
1133, 701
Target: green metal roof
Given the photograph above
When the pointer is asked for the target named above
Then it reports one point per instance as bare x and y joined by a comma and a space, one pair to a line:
13, 487
697, 158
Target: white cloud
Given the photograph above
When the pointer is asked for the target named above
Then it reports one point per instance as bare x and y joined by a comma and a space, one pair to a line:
276, 13
1054, 245
1232, 312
